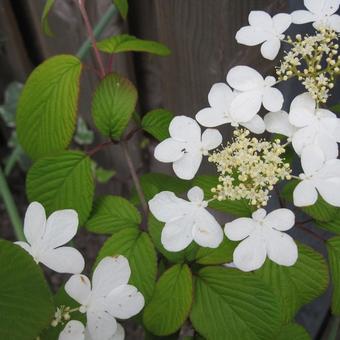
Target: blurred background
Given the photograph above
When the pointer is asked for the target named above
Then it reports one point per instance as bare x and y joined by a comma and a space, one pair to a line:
200, 34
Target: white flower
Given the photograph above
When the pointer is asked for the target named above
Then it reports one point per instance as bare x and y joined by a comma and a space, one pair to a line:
220, 98
109, 298
320, 175
45, 238
320, 12
315, 126
75, 330
253, 91
186, 146
278, 122
263, 236
185, 221
266, 30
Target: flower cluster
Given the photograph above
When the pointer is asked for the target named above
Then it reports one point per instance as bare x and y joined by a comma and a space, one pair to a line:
249, 168
305, 61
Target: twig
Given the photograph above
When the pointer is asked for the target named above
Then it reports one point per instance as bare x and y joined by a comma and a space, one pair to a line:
100, 147
137, 184
308, 231
91, 37
11, 207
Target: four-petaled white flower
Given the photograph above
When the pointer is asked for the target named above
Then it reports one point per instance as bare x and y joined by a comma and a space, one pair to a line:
45, 238
320, 12
109, 298
220, 98
185, 221
266, 30
315, 126
278, 122
186, 146
75, 330
253, 92
320, 175
262, 236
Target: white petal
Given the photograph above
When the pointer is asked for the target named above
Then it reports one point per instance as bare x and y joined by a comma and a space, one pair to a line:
101, 325
78, 287
209, 117
251, 36
255, 125
188, 165
327, 143
260, 19
312, 159
239, 229
244, 78
34, 223
315, 6
166, 206
211, 139
125, 301
334, 22
74, 330
220, 97
271, 48
305, 194
272, 99
63, 260
302, 110
330, 190
25, 246
304, 137
207, 231
303, 17
281, 22
280, 219
110, 273
177, 235
330, 169
281, 248
330, 6
185, 129
196, 194
250, 254
61, 227
169, 150
277, 122
120, 333
245, 106
259, 215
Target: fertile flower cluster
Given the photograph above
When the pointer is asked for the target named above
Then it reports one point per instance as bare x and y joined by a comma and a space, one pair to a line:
249, 168
305, 61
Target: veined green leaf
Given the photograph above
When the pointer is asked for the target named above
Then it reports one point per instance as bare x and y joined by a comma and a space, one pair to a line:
63, 181
293, 331
122, 6
333, 247
47, 109
44, 18
156, 123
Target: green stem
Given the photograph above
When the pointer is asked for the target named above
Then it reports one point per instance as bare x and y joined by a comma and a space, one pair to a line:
11, 207
97, 31
335, 323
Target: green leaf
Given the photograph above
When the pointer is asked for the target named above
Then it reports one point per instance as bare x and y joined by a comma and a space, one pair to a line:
296, 285
332, 226
63, 181
103, 175
320, 211
240, 208
230, 304
113, 104
333, 247
171, 301
26, 305
222, 254
153, 183
47, 110
137, 247
156, 122
45, 25
129, 43
293, 331
155, 230
111, 214
122, 6
9, 107
83, 136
